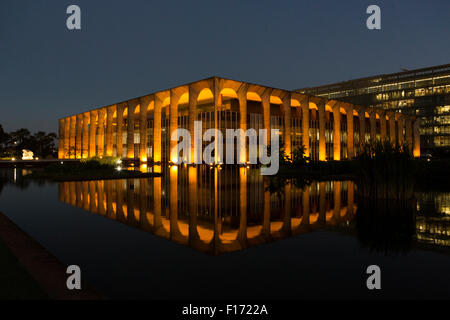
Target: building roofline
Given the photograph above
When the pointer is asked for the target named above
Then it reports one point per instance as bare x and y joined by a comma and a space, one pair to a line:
383, 75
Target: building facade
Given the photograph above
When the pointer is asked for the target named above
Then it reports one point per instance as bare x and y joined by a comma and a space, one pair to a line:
140, 128
424, 93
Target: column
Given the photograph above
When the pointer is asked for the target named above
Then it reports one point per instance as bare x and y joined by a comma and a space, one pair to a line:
416, 134
109, 130
400, 126
130, 127
85, 137
409, 140
242, 97
157, 129
145, 103
322, 147
66, 138
362, 127
78, 136
119, 133
286, 106
92, 134
305, 126
337, 132
61, 124
173, 122
350, 132
382, 126
392, 127
101, 132
72, 147
373, 126
266, 113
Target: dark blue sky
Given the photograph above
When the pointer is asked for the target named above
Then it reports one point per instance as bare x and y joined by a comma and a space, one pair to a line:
131, 48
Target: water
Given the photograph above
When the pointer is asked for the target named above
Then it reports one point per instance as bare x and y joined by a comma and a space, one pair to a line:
250, 237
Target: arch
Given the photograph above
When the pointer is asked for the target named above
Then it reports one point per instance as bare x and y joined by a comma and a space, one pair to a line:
275, 100
295, 103
228, 93
313, 105
253, 96
205, 96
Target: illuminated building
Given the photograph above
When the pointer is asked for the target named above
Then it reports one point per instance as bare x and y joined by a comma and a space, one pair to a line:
424, 93
141, 128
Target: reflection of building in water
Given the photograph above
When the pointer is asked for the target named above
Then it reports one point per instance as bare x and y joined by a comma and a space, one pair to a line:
433, 218
213, 210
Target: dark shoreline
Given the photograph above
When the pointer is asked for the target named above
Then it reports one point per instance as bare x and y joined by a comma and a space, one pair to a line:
46, 270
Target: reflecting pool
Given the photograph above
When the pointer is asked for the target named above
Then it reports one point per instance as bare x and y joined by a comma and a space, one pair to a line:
207, 232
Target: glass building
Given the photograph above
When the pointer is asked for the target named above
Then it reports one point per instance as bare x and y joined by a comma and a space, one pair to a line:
422, 92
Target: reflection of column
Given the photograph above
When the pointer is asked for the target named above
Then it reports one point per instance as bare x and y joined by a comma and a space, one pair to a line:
266, 219
287, 210
109, 130
119, 192
130, 201
92, 197
130, 127
409, 134
157, 202
145, 102
382, 126
173, 201
242, 236
242, 96
350, 197
157, 129
322, 147
66, 192
337, 200
373, 126
61, 124
337, 132
93, 133
78, 137
79, 199
416, 134
362, 127
286, 106
73, 121
73, 195
322, 203
305, 206
143, 187
193, 203
85, 138
101, 132
305, 126
350, 132
110, 199
101, 197
119, 133
86, 199
61, 192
